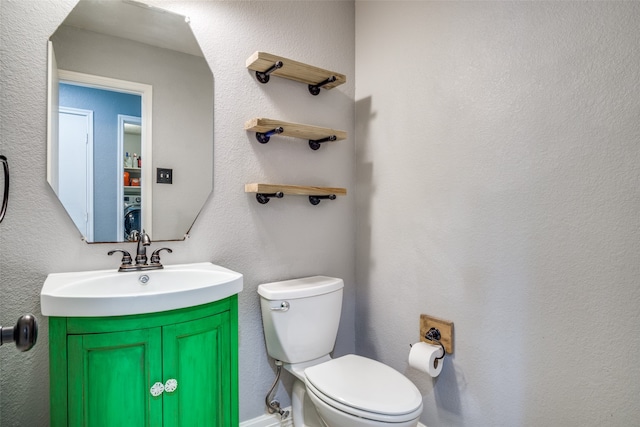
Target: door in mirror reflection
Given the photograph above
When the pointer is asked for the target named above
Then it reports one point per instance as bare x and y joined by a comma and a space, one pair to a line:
95, 179
75, 166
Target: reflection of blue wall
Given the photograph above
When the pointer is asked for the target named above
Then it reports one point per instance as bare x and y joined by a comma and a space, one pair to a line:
106, 106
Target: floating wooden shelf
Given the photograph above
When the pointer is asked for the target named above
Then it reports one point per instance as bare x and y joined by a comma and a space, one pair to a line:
265, 128
264, 192
266, 64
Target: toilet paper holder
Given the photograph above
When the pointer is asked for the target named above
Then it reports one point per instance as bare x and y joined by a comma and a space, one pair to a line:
436, 330
434, 335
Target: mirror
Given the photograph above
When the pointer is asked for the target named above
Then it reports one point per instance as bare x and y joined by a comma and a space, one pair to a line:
125, 79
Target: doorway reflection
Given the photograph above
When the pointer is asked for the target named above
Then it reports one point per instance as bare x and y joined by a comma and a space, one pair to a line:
129, 132
114, 131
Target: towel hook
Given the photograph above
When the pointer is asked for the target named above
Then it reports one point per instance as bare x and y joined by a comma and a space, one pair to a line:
5, 194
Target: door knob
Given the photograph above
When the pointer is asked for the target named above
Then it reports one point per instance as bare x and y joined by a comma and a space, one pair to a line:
24, 334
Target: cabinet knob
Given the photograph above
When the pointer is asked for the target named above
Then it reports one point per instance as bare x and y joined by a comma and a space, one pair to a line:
157, 389
171, 385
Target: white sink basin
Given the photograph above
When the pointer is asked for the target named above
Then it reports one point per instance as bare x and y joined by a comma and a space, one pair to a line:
113, 293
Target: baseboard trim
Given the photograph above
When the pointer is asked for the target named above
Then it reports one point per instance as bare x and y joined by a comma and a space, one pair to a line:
273, 420
269, 420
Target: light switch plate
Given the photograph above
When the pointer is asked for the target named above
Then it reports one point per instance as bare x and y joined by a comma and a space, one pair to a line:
164, 176
444, 326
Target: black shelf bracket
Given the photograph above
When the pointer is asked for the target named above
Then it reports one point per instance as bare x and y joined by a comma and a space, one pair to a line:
315, 89
263, 76
315, 144
314, 200
264, 137
263, 198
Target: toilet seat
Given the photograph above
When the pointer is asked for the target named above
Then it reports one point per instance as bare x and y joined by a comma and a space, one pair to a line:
364, 388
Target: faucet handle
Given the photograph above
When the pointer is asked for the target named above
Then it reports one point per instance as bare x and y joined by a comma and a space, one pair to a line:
126, 256
155, 256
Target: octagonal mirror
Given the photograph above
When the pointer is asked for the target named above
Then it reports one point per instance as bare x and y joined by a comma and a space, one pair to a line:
130, 125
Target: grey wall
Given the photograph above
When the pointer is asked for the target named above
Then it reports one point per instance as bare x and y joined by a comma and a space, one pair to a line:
287, 238
497, 186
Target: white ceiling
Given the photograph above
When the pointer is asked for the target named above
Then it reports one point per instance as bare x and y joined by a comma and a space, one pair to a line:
135, 21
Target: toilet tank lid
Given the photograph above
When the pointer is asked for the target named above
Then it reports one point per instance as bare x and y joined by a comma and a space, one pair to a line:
300, 288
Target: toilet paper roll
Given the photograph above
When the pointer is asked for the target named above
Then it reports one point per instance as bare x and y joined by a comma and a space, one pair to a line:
423, 358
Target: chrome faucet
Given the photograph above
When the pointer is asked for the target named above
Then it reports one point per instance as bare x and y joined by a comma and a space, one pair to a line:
141, 252
141, 256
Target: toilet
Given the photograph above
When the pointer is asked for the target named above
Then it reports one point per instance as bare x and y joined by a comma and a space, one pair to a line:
300, 319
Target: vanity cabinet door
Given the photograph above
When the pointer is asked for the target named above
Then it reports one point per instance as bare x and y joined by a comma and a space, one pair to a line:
198, 355
103, 369
110, 375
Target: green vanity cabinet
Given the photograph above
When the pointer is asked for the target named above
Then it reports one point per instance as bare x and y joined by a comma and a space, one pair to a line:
103, 368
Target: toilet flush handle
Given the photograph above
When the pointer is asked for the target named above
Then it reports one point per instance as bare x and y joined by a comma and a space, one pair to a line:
284, 306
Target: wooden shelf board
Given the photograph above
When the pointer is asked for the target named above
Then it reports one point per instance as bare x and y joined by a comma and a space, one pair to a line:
294, 70
294, 190
294, 130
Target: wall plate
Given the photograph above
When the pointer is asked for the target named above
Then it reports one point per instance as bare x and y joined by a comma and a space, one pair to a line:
164, 176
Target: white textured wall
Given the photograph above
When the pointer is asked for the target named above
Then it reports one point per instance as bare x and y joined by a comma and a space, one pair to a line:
497, 186
285, 239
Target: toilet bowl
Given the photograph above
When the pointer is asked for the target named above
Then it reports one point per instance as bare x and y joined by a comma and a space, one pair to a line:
353, 391
300, 319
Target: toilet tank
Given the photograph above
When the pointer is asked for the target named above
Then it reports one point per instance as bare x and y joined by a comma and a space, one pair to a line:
301, 317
